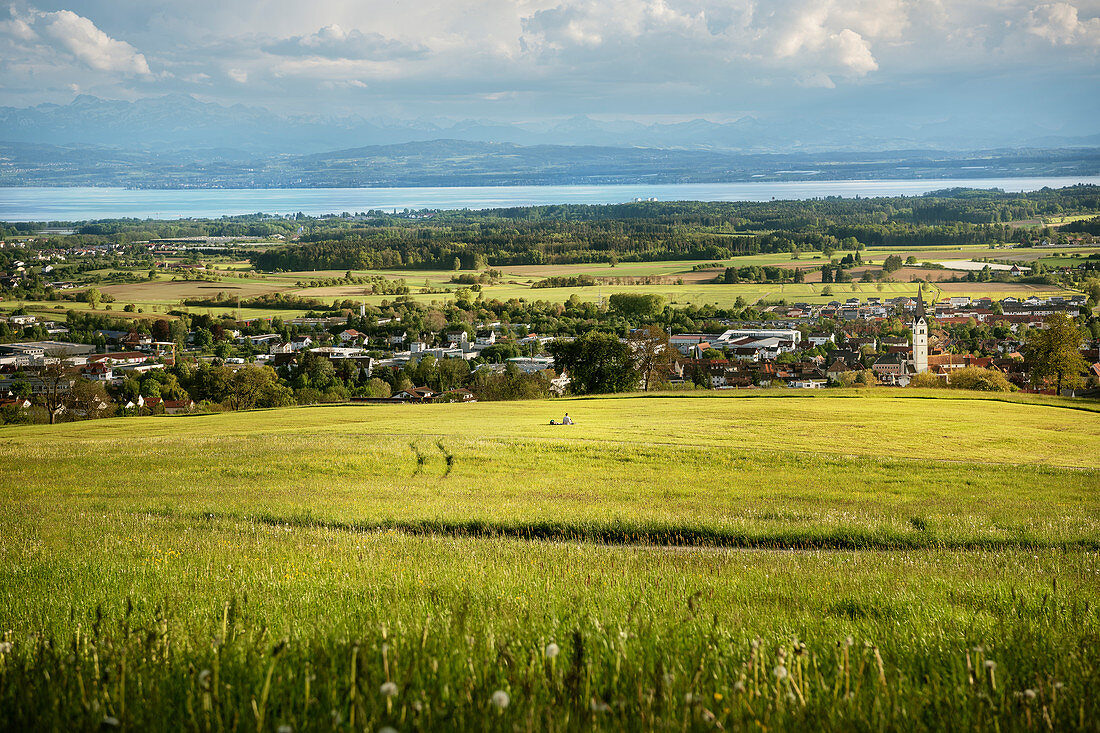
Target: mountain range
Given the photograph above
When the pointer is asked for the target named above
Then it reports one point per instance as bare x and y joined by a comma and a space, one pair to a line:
181, 122
181, 142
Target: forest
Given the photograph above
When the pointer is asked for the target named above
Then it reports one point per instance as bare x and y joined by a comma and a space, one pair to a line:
653, 231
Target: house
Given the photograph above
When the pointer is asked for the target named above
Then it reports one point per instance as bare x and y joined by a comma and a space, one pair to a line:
839, 367
485, 338
98, 372
894, 369
415, 394
559, 384
820, 339
263, 339
176, 407
350, 334
456, 395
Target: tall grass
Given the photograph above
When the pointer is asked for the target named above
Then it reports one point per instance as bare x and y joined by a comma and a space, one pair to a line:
307, 570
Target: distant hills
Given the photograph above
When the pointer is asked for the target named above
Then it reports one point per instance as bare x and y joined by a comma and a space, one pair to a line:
465, 163
179, 141
179, 121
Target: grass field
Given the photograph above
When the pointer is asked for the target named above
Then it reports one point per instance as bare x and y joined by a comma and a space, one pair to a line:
163, 295
850, 560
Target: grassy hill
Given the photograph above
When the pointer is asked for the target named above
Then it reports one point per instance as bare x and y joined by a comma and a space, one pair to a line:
850, 559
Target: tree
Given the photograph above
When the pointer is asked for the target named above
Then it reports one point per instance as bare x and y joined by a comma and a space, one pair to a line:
55, 383
892, 263
632, 306
92, 296
652, 354
252, 386
980, 380
1056, 352
596, 362
89, 399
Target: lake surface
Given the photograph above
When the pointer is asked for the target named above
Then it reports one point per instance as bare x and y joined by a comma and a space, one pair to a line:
80, 204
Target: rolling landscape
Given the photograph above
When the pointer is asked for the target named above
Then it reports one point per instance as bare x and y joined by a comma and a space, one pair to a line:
675, 365
668, 561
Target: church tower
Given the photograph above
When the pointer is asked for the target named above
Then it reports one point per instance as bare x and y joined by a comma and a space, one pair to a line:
920, 335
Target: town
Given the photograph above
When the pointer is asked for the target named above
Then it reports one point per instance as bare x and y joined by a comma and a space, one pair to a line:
154, 366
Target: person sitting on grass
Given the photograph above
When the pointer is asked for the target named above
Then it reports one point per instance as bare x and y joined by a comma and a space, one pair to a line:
567, 420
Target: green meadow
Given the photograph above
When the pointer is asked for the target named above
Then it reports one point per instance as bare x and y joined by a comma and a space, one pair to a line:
848, 560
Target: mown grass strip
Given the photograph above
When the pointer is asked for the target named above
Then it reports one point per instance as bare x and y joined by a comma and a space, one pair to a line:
654, 534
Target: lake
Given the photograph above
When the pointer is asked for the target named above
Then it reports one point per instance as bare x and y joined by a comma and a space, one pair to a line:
79, 204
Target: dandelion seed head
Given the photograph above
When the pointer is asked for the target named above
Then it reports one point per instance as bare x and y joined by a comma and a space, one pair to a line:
739, 686
780, 672
1029, 694
5, 647
388, 689
990, 664
500, 699
552, 650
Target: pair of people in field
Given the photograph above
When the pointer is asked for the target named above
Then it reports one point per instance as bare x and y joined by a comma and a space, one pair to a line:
564, 421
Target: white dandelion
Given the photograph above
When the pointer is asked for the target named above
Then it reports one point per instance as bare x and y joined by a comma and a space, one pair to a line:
780, 672
388, 689
990, 665
500, 699
1029, 694
552, 650
5, 647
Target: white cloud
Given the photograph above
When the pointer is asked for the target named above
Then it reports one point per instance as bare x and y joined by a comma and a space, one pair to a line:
333, 41
81, 38
238, 75
1060, 24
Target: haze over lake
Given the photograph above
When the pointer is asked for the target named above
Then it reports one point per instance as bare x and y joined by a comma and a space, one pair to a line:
78, 204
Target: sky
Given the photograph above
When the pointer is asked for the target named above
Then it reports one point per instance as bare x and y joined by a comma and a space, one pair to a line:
522, 60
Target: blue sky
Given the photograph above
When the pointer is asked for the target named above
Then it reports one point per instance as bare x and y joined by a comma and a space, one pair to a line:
1028, 63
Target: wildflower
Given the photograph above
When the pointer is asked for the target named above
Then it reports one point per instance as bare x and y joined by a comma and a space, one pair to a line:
738, 686
110, 721
5, 647
1029, 694
500, 699
552, 650
990, 665
388, 689
718, 697
850, 641
780, 672
1058, 685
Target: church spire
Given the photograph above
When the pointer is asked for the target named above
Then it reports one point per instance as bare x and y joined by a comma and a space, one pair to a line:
920, 303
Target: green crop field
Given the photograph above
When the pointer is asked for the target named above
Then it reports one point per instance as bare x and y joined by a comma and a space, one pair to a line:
848, 560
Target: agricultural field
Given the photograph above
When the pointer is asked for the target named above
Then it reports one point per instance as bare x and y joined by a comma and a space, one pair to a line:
165, 293
850, 560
